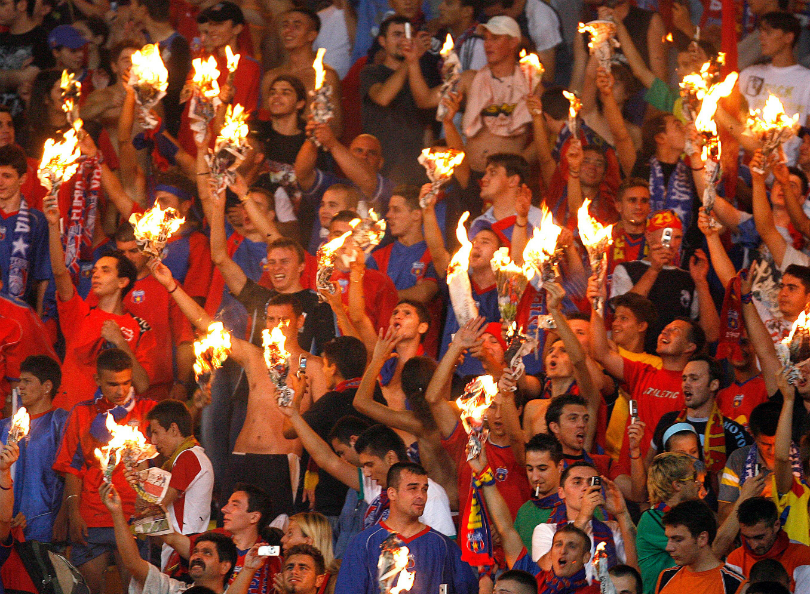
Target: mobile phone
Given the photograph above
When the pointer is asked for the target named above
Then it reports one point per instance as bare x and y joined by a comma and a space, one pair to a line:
268, 551
302, 365
407, 30
595, 481
633, 411
666, 237
757, 469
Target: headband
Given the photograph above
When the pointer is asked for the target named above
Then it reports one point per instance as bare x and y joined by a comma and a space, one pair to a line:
181, 194
677, 428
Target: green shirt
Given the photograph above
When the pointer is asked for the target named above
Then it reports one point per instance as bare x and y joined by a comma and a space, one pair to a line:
529, 516
651, 544
661, 96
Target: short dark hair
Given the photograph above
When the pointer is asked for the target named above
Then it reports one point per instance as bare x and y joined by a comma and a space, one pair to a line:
767, 587
45, 369
784, 21
346, 427
623, 570
764, 419
125, 269
768, 570
313, 17
642, 308
695, 515
394, 19
578, 315
119, 47
696, 335
285, 243
629, 183
757, 509
409, 193
309, 551
799, 172
348, 354
571, 529
13, 156
114, 360
421, 310
378, 440
526, 580
555, 407
577, 464
344, 216
715, 369
653, 127
167, 412
513, 163
125, 232
395, 472
258, 501
545, 442
293, 81
800, 272
555, 104
282, 299
226, 548
158, 10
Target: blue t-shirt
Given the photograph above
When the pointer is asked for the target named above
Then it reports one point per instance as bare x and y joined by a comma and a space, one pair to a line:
434, 558
405, 265
487, 302
24, 242
37, 487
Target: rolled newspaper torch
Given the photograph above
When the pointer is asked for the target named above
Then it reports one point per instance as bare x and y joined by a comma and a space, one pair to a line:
600, 563
439, 166
20, 424
153, 229
451, 75
326, 256
473, 403
321, 107
603, 40
277, 361
596, 238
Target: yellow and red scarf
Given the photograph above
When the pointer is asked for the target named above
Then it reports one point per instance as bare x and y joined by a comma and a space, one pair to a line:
714, 440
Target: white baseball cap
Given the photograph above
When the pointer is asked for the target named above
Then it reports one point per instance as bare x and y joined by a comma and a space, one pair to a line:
502, 25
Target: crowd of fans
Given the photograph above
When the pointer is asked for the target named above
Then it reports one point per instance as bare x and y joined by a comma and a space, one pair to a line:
658, 444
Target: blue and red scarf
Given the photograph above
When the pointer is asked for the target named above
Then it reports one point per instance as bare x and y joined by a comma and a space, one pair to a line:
601, 531
547, 502
474, 536
549, 583
378, 510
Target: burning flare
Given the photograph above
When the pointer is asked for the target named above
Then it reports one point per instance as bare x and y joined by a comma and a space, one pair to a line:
154, 228
71, 91
603, 40
148, 67
532, 69
206, 76
20, 425
325, 256
127, 444
451, 74
541, 252
771, 126
574, 105
232, 59
60, 160
473, 404
277, 360
439, 166
596, 238
320, 71
794, 350
211, 350
230, 147
458, 281
447, 47
511, 281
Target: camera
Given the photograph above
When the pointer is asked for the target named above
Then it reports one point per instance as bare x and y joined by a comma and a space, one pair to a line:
666, 237
268, 551
633, 411
595, 481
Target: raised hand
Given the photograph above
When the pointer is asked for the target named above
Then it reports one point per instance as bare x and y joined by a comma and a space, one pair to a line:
386, 343
470, 334
554, 295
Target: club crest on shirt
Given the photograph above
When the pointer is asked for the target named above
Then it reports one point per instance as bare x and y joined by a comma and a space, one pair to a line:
138, 296
754, 85
128, 333
501, 474
2, 233
738, 400
418, 269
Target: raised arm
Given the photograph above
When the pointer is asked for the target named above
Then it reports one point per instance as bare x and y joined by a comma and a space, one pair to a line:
231, 272
625, 149
709, 320
793, 202
600, 348
61, 276
364, 402
783, 470
357, 301
453, 137
634, 59
541, 144
9, 455
423, 95
433, 235
137, 567
763, 215
443, 411
305, 162
760, 338
385, 92
717, 252
356, 170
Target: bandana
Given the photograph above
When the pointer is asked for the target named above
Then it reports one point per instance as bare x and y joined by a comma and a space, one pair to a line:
474, 536
348, 384
18, 264
188, 443
181, 194
83, 215
551, 584
162, 149
677, 195
731, 327
98, 427
663, 219
714, 440
494, 329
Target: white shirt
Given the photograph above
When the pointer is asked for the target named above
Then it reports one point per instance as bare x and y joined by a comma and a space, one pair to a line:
791, 84
334, 36
544, 25
543, 537
437, 508
157, 583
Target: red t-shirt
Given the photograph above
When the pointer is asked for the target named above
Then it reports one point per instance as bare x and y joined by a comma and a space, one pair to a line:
200, 266
81, 325
738, 400
510, 476
22, 334
658, 391
76, 456
379, 291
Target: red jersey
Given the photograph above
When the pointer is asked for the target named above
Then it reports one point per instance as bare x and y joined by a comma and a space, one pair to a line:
380, 294
32, 188
76, 456
22, 334
510, 476
738, 400
657, 391
81, 324
150, 301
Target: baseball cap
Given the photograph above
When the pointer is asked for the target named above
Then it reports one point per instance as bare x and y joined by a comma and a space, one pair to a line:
502, 25
221, 12
66, 36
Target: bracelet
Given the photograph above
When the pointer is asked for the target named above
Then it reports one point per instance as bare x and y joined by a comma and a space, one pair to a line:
747, 297
2, 488
635, 457
69, 497
485, 479
175, 288
698, 168
521, 226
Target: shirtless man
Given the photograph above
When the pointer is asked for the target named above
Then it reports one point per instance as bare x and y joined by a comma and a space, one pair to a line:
299, 27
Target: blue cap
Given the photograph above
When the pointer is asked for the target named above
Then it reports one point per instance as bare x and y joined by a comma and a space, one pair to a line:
66, 36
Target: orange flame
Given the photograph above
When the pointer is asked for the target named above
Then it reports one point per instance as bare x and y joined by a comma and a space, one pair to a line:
126, 439
235, 127
148, 66
205, 77
771, 117
705, 119
444, 162
475, 401
20, 424
232, 59
59, 159
667, 38
592, 232
542, 246
574, 104
211, 350
320, 71
447, 47
156, 225
273, 342
405, 579
460, 261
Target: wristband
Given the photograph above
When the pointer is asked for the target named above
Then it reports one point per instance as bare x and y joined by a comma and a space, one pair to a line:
175, 288
2, 488
485, 478
747, 297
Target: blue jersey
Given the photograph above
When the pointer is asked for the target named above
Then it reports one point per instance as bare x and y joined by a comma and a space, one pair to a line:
487, 302
405, 265
37, 487
24, 253
434, 558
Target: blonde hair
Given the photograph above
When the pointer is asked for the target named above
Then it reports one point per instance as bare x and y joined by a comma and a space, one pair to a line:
666, 468
316, 527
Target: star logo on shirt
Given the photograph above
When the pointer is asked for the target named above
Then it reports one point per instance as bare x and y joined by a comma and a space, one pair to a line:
20, 247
